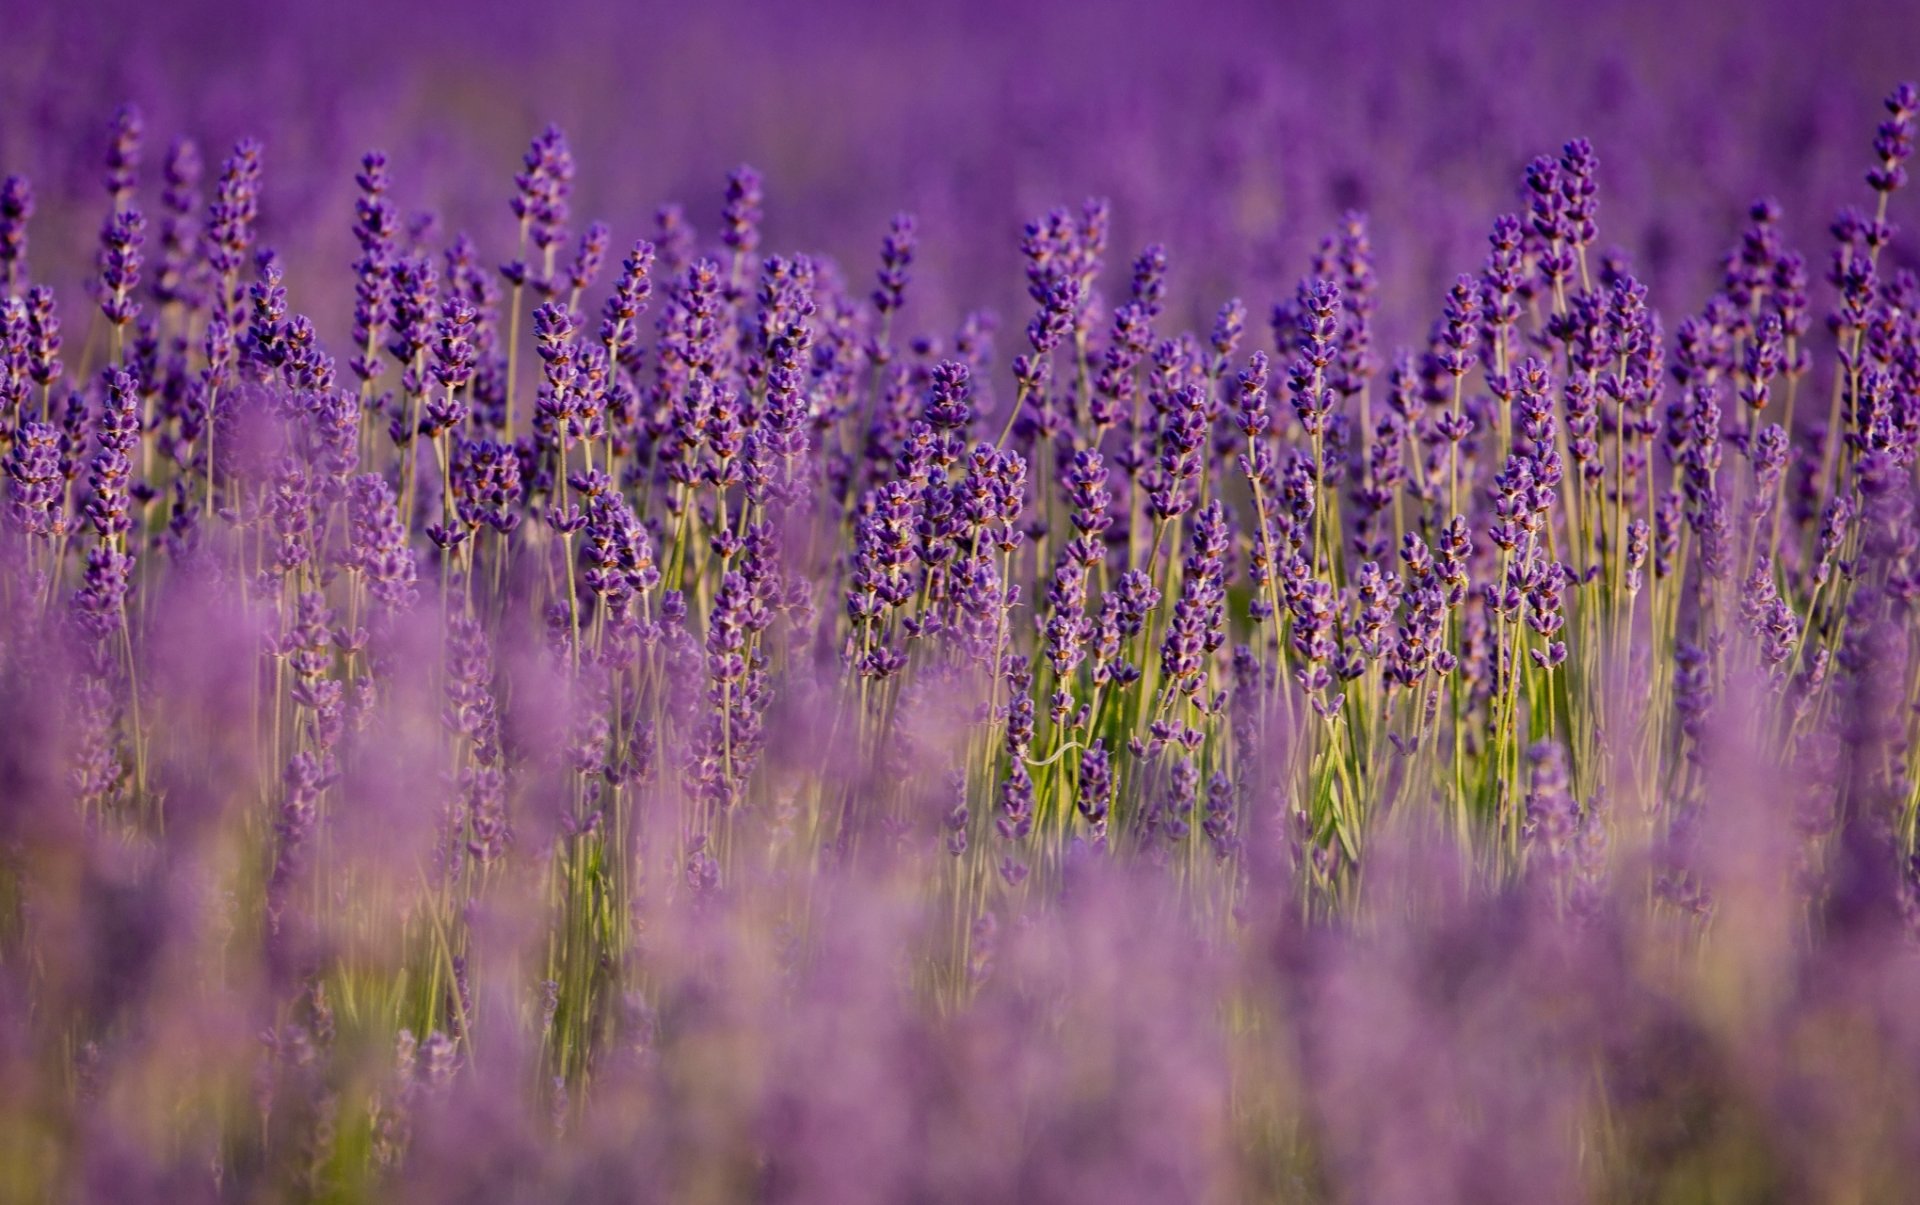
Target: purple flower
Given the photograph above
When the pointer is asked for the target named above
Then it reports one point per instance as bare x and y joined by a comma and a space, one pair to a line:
1893, 141
43, 337
374, 228
453, 352
487, 482
378, 543
1087, 493
16, 210
36, 484
592, 253
896, 257
111, 476
120, 244
619, 320
947, 408
1319, 303
1096, 788
230, 220
740, 217
540, 202
123, 154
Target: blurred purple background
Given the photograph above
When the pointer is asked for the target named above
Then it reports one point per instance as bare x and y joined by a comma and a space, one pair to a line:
1236, 133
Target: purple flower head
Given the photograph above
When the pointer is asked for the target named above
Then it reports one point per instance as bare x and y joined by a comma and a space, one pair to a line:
1547, 189
1638, 535
592, 252
235, 209
416, 305
1763, 361
104, 585
1546, 200
1228, 326
1351, 254
453, 352
544, 184
1893, 141
618, 554
1096, 787
1378, 595
123, 154
542, 188
896, 257
947, 405
740, 216
1307, 381
43, 337
488, 485
1149, 286
111, 475
1088, 495
1250, 397
1552, 815
266, 339
1578, 189
1463, 326
36, 484
375, 228
1059, 306
377, 545
1015, 821
619, 320
1197, 627
674, 237
1544, 583
1067, 628
16, 210
1503, 279
1182, 443
120, 244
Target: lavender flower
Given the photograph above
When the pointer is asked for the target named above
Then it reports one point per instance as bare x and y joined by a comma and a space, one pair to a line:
120, 246
16, 210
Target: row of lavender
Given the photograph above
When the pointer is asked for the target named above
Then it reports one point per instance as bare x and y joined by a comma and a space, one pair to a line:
727, 741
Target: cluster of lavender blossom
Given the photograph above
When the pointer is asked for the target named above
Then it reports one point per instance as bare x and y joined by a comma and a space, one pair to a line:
656, 719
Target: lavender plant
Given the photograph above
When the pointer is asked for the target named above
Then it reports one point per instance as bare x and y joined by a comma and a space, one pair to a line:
740, 726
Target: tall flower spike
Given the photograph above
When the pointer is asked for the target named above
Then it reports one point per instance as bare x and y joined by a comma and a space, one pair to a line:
896, 257
740, 218
16, 209
120, 244
230, 221
175, 277
375, 228
542, 186
43, 337
118, 432
1578, 188
123, 154
453, 367
1096, 789
1893, 142
619, 320
378, 545
947, 408
585, 268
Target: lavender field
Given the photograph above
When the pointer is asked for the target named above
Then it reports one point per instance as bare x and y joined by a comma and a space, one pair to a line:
1153, 605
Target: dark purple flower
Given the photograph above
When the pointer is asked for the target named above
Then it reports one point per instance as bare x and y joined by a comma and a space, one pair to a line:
16, 210
1096, 788
230, 222
896, 257
543, 186
1893, 141
120, 244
